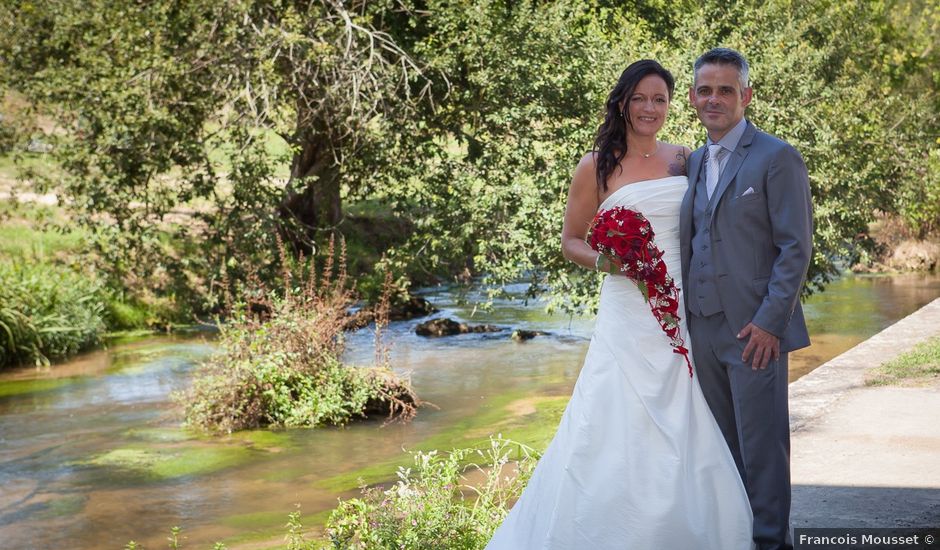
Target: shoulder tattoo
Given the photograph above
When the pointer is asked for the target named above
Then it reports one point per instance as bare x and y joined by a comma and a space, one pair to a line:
677, 166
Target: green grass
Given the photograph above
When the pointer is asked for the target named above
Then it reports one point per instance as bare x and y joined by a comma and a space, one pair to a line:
10, 165
920, 365
38, 233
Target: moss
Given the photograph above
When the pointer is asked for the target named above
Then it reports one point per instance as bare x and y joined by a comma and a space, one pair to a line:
256, 520
142, 359
534, 429
173, 462
122, 337
160, 435
137, 459
268, 527
200, 460
266, 439
65, 506
22, 387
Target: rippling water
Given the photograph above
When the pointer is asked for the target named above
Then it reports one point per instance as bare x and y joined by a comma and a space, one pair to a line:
91, 455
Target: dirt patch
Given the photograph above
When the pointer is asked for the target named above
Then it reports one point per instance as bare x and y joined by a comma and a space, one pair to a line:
915, 255
899, 248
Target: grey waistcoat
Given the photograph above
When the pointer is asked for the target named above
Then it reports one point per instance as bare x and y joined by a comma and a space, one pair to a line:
702, 294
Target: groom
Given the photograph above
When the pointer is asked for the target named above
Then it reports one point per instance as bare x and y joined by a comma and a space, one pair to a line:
746, 231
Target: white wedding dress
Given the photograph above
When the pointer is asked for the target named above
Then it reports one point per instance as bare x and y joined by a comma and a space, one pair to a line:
638, 461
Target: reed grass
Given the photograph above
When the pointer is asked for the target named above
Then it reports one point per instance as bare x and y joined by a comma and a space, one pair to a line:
47, 312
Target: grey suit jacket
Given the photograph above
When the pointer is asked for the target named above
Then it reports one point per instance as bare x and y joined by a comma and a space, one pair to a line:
761, 241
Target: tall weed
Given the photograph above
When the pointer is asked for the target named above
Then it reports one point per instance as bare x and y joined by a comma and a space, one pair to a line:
280, 366
47, 312
448, 501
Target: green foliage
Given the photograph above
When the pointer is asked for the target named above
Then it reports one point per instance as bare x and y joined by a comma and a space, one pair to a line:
489, 196
921, 364
912, 59
919, 198
463, 120
434, 505
271, 390
123, 316
491, 164
279, 364
36, 233
178, 119
47, 312
134, 90
39, 236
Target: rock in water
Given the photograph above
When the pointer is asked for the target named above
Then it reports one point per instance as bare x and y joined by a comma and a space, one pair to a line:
411, 308
449, 327
520, 335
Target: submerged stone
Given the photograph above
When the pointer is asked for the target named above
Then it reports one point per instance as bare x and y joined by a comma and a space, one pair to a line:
449, 327
521, 335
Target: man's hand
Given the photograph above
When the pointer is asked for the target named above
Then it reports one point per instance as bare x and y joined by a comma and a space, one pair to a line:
762, 345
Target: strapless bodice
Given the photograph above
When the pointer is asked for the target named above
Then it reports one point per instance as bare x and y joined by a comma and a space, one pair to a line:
659, 200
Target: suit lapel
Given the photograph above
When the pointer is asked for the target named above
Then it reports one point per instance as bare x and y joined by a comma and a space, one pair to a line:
685, 214
735, 162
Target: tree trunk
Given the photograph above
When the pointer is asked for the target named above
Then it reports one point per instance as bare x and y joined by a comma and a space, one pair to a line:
311, 204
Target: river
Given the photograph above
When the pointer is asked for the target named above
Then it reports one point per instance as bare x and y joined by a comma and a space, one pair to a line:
92, 455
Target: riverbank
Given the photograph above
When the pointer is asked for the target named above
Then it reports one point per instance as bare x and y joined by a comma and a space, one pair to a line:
866, 456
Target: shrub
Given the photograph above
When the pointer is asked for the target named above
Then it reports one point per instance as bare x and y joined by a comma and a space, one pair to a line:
47, 312
433, 506
280, 366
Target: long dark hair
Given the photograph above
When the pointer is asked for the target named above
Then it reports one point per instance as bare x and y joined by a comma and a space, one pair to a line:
610, 145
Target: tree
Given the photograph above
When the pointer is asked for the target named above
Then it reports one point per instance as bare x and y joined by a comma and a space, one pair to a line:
459, 120
197, 105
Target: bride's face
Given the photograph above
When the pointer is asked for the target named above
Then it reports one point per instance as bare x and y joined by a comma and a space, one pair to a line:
646, 108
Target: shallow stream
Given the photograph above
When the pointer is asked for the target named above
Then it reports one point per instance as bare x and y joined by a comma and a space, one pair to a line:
92, 456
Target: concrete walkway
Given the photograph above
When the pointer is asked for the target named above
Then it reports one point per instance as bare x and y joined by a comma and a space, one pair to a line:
867, 456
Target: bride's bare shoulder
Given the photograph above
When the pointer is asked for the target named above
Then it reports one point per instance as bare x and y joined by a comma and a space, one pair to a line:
586, 171
588, 161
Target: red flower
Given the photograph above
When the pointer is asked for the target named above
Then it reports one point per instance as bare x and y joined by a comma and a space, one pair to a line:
627, 237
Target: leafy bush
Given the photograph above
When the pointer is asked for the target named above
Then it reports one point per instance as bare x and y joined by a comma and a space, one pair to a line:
919, 198
47, 312
434, 506
280, 364
278, 389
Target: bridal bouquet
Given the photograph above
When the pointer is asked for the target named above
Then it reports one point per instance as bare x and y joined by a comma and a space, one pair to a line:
626, 237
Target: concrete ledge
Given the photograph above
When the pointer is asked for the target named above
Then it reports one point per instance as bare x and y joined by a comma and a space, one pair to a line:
812, 395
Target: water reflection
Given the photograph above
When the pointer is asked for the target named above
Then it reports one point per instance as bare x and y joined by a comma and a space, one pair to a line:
91, 455
854, 308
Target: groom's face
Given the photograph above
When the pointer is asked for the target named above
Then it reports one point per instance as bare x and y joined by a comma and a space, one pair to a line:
718, 97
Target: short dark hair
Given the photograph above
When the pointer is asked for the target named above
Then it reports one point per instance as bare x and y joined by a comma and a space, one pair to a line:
725, 56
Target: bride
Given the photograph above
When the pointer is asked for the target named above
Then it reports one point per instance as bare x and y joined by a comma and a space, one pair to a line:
638, 461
